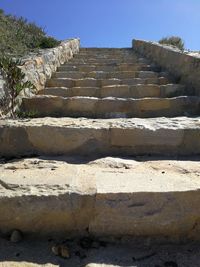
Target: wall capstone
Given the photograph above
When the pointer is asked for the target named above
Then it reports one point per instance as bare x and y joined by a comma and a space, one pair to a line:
184, 66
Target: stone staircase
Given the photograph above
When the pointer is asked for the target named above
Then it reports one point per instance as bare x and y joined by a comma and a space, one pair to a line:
100, 83
104, 103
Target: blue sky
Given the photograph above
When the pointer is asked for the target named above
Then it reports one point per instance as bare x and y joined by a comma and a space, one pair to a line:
112, 23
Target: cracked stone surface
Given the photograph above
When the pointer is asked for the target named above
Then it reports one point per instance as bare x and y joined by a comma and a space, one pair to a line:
119, 137
107, 196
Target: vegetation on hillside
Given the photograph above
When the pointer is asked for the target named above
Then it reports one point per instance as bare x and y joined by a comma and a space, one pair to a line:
18, 36
175, 41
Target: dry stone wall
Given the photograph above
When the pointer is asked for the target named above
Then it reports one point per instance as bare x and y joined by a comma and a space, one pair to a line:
184, 66
39, 67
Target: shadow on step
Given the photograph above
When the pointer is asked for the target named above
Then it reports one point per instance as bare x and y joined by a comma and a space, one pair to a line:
31, 253
78, 160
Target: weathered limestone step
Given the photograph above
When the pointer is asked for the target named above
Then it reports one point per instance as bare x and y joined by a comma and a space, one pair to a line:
122, 91
110, 107
97, 54
103, 58
108, 61
105, 67
123, 137
95, 50
158, 198
130, 56
106, 75
92, 82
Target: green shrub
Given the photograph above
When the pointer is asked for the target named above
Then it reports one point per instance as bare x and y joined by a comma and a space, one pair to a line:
18, 36
173, 41
48, 42
14, 79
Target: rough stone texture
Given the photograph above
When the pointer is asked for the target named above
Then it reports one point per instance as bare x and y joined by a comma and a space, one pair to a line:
38, 68
106, 75
123, 91
110, 107
92, 82
186, 67
76, 199
105, 67
105, 198
52, 136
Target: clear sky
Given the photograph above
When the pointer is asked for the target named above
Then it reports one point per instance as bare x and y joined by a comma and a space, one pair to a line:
112, 23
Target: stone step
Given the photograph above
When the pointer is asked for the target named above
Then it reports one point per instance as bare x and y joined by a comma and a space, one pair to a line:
92, 82
115, 54
150, 199
108, 61
110, 107
105, 67
123, 91
97, 57
105, 50
123, 137
106, 75
108, 52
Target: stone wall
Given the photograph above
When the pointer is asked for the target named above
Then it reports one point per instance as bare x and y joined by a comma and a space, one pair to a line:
38, 68
185, 67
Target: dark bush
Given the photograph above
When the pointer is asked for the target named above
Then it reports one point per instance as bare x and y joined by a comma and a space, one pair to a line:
48, 42
173, 41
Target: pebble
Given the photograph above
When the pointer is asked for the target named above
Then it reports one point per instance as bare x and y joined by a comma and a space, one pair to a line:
61, 250
16, 236
64, 252
55, 250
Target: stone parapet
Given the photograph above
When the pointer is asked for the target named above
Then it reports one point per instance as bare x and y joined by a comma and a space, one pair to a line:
184, 66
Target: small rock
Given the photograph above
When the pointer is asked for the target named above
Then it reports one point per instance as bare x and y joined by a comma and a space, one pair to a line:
55, 250
64, 252
61, 250
16, 236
